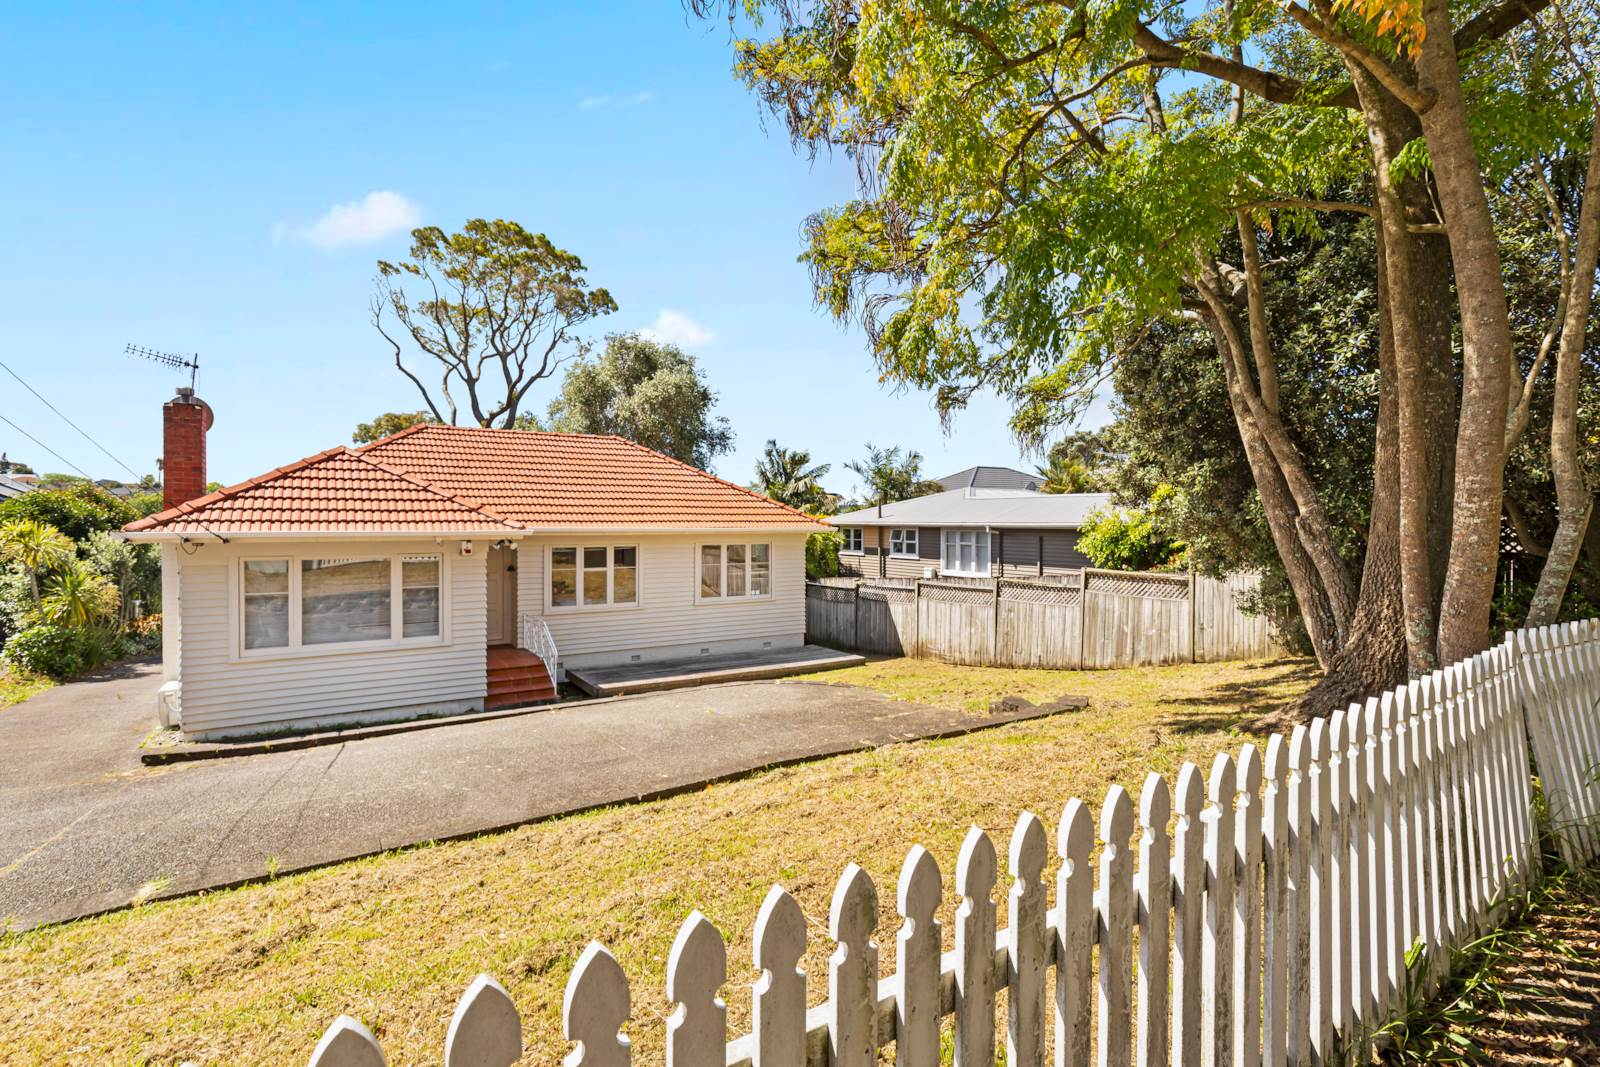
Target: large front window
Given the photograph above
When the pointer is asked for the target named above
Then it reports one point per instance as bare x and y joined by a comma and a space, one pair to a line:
734, 572
966, 552
315, 601
593, 575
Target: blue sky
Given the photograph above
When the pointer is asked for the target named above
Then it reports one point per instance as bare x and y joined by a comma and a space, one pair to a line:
199, 179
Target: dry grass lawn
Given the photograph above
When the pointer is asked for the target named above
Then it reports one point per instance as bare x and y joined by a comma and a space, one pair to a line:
254, 975
16, 687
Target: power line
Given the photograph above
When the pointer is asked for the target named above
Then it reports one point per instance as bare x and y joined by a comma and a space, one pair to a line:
46, 447
69, 422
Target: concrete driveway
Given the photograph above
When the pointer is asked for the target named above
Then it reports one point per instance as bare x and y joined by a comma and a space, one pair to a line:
87, 828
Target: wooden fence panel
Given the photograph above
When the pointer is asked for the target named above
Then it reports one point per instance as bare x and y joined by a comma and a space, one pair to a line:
1039, 625
955, 622
1221, 628
831, 614
1131, 620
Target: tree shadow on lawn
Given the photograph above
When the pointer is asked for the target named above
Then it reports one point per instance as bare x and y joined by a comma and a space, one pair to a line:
1247, 702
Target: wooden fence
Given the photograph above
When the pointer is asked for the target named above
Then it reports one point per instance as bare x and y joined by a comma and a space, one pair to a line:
1268, 925
1089, 618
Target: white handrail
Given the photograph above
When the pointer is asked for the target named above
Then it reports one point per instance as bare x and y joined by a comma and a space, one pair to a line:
533, 634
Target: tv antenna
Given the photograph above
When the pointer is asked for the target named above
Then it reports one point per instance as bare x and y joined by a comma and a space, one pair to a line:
168, 359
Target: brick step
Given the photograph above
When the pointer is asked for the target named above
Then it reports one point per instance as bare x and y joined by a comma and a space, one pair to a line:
540, 692
519, 674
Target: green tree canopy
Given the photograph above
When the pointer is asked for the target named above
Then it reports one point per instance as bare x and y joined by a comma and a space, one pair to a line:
493, 307
1042, 185
646, 391
390, 422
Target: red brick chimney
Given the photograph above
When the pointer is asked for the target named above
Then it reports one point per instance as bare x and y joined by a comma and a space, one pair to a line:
184, 422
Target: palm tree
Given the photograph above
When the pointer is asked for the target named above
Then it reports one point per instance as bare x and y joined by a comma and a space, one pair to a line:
77, 596
789, 477
889, 475
37, 547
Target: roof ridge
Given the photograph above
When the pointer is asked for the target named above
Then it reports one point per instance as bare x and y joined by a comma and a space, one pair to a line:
469, 504
732, 485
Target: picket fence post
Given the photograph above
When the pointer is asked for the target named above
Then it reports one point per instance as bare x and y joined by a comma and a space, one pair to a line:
976, 873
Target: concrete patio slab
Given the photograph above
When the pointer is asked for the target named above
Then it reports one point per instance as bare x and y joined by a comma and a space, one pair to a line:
620, 678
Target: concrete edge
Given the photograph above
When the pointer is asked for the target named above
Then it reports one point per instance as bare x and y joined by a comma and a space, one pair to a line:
988, 722
716, 676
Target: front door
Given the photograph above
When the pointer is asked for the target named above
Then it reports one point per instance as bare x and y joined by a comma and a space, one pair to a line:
502, 596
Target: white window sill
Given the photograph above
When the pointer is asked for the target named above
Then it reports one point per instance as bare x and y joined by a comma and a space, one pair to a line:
965, 574
586, 609
762, 599
904, 555
339, 648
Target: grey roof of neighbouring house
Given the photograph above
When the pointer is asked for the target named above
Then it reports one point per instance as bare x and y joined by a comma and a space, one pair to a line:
990, 478
10, 487
1014, 508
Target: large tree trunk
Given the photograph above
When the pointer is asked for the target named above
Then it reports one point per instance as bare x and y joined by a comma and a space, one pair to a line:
1277, 503
1573, 499
1485, 341
1373, 658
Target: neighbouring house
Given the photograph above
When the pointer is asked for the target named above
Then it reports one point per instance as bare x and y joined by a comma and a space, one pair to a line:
977, 530
444, 570
992, 478
13, 485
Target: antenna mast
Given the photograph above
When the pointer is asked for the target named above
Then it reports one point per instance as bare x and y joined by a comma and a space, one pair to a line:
168, 359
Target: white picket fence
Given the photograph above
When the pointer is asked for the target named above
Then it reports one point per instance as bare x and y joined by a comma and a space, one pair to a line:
1270, 926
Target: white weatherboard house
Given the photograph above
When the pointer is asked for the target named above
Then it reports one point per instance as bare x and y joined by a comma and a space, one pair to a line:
445, 570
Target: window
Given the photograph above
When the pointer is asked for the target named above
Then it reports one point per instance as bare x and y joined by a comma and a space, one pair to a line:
966, 552
419, 596
266, 603
316, 601
852, 540
344, 600
592, 576
903, 542
735, 571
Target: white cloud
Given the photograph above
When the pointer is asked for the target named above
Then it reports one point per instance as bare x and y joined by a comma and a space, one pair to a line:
676, 328
590, 103
372, 218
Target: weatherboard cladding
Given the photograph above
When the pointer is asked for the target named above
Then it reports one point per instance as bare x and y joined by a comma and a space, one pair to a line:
456, 479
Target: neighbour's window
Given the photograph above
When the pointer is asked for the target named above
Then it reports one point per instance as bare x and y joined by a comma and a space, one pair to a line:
419, 596
852, 540
266, 603
903, 542
344, 600
735, 571
594, 575
290, 603
966, 552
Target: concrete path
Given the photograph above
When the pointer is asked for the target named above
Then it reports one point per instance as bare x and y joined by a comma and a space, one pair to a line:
88, 828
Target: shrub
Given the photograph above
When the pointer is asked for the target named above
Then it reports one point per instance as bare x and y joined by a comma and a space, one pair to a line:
142, 637
77, 510
822, 554
1128, 541
59, 651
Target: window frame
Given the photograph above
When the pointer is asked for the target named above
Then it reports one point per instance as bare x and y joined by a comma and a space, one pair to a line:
749, 572
905, 535
979, 537
853, 533
296, 648
579, 547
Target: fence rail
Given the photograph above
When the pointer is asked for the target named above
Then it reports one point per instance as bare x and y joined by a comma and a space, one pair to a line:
1258, 914
1088, 618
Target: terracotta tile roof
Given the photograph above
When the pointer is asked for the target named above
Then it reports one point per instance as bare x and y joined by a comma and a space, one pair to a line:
337, 491
455, 479
543, 480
